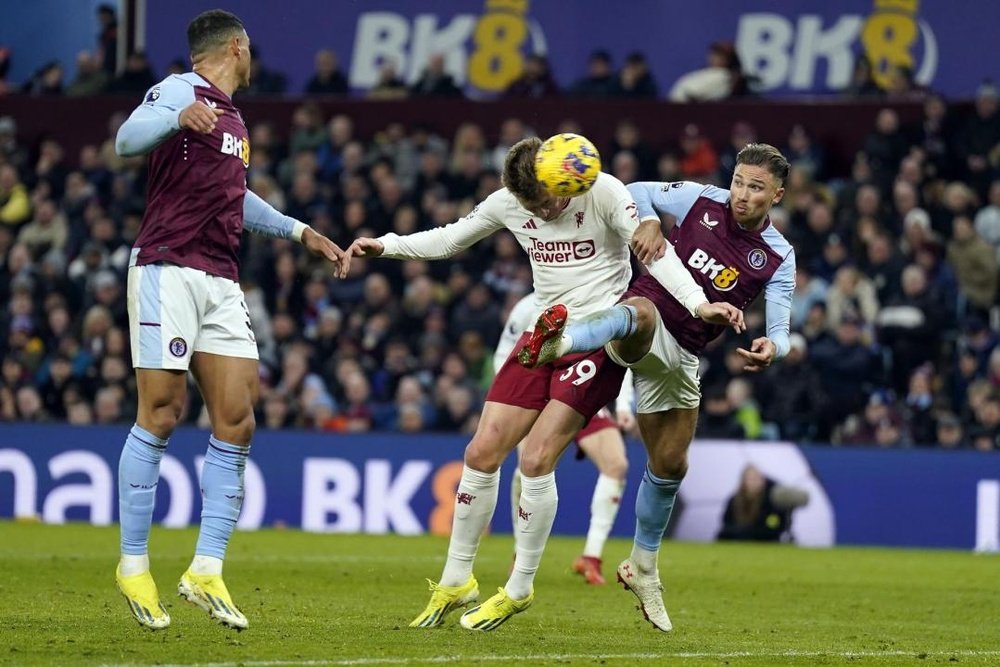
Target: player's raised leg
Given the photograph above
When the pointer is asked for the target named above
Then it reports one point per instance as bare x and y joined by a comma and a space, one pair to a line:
667, 435
606, 448
554, 429
501, 427
161, 398
229, 386
552, 338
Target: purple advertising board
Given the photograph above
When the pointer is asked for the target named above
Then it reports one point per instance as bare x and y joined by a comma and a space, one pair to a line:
800, 47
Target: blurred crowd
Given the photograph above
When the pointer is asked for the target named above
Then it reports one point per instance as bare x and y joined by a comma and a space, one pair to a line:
895, 320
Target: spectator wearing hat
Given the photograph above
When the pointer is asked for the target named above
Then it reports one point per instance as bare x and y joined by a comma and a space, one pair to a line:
722, 77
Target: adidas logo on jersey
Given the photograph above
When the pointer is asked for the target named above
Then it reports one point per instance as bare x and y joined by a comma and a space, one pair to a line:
530, 224
724, 278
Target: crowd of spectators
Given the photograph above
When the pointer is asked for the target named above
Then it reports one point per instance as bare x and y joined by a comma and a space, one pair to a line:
894, 318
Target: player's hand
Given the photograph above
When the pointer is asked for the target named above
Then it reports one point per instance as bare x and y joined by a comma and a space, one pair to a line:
362, 247
365, 247
722, 313
625, 420
648, 243
321, 246
759, 356
199, 117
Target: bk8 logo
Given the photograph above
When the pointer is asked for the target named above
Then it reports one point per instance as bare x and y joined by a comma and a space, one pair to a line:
724, 278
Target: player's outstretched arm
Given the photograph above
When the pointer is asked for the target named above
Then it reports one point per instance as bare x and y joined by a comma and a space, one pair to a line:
261, 218
321, 246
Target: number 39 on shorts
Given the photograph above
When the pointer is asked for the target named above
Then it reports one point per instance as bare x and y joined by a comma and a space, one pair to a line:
583, 370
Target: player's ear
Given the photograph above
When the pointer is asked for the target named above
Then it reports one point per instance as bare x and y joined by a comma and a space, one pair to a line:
778, 194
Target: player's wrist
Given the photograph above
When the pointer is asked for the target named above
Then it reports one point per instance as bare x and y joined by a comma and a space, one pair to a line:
298, 229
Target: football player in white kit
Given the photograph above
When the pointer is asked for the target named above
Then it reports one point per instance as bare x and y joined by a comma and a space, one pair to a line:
600, 440
579, 253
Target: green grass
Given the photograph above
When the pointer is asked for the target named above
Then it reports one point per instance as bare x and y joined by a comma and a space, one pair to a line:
346, 600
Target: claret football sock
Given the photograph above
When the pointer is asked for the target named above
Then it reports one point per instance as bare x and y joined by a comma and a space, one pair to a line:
222, 496
593, 333
138, 475
475, 501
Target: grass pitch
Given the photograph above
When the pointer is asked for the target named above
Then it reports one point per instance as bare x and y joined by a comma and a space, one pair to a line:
326, 600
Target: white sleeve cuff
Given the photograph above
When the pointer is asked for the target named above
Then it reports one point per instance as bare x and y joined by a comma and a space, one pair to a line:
297, 230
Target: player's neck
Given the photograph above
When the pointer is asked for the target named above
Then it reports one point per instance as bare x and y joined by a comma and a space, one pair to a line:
752, 227
218, 75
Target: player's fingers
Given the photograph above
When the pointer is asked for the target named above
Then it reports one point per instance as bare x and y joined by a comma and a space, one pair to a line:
218, 112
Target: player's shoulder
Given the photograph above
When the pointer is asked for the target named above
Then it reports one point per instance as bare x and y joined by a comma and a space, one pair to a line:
174, 88
777, 242
496, 204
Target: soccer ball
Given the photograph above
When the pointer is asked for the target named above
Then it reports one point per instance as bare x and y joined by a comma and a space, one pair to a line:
567, 165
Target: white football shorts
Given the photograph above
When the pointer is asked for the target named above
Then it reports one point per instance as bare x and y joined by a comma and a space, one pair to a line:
667, 377
174, 311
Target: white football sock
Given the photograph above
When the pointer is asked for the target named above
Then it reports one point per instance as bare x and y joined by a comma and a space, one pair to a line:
645, 560
131, 564
536, 513
515, 497
475, 501
603, 511
206, 565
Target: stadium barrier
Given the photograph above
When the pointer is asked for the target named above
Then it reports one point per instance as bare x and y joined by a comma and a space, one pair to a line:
383, 482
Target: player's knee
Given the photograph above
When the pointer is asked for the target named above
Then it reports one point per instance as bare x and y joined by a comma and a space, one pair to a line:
616, 468
483, 455
645, 316
669, 465
536, 461
161, 418
236, 429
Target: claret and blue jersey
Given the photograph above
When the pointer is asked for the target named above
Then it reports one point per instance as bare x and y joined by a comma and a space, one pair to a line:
730, 263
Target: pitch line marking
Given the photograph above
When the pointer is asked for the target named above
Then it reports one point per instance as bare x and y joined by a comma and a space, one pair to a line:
681, 655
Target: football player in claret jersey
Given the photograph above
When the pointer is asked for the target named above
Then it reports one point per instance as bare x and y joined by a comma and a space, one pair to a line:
186, 310
579, 253
730, 248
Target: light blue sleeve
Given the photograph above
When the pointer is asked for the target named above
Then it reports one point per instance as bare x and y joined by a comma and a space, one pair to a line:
262, 218
778, 304
156, 119
675, 198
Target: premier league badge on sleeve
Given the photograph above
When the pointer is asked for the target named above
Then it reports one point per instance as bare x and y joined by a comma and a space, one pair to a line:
152, 95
